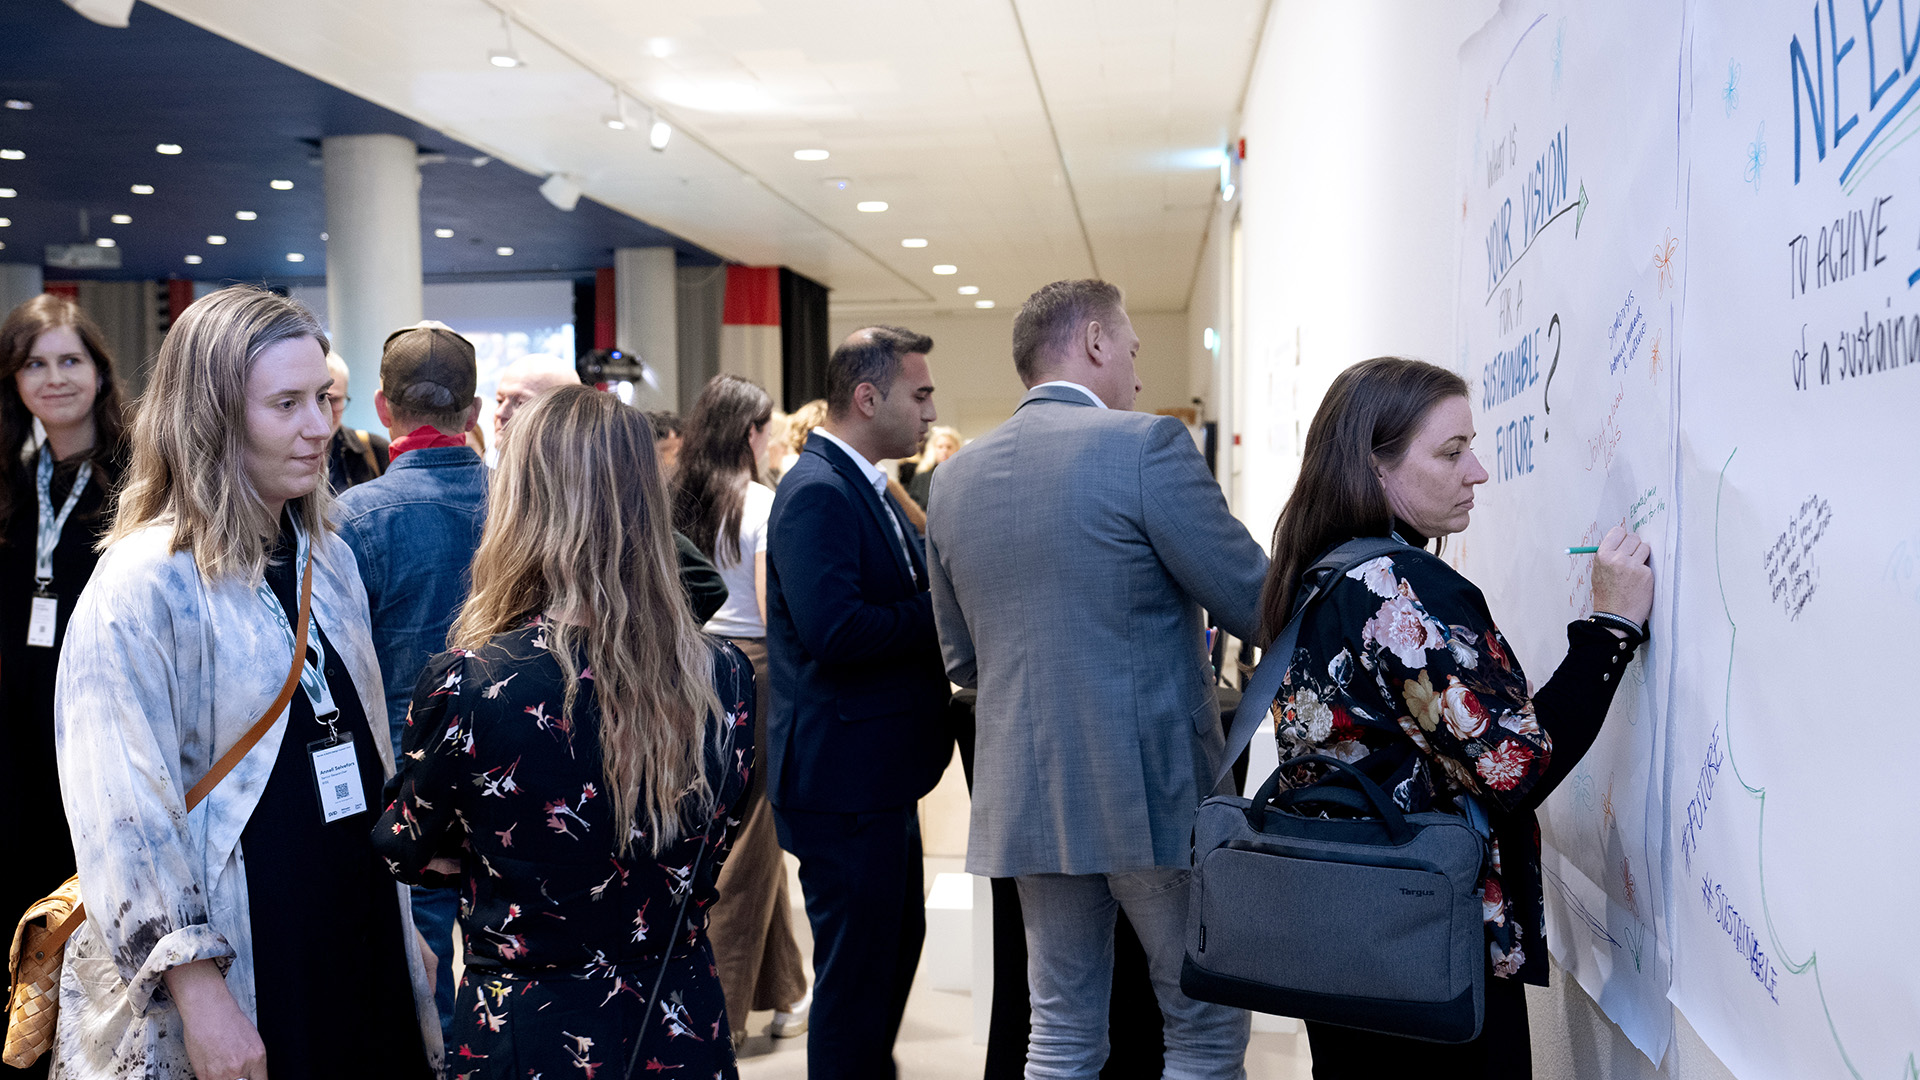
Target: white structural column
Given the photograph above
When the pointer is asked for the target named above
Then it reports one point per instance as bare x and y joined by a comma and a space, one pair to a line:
19, 283
646, 320
373, 254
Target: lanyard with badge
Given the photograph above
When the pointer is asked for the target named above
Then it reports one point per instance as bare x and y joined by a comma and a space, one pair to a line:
46, 604
336, 768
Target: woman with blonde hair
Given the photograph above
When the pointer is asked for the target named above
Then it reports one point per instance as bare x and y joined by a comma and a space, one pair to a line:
249, 924
573, 763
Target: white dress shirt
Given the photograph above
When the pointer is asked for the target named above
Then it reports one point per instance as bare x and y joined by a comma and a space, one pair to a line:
879, 481
1091, 396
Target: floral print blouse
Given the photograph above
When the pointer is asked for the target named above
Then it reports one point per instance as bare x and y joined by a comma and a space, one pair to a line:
562, 932
1403, 650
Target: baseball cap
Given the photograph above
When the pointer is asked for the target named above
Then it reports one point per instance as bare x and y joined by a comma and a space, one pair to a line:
427, 368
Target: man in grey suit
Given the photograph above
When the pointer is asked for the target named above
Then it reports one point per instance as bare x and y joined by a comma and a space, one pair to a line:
1071, 551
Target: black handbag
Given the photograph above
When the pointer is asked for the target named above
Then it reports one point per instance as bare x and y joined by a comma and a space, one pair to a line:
1326, 902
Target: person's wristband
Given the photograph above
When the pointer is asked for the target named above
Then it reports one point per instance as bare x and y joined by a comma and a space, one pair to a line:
1636, 632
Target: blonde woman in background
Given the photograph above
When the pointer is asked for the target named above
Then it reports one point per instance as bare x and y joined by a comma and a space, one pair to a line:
942, 443
799, 424
259, 929
573, 765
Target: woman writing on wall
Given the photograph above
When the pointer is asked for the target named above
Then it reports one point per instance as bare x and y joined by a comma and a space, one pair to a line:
260, 928
573, 763
719, 501
1402, 670
54, 504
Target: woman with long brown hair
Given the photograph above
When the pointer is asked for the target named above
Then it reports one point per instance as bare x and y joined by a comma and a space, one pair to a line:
1401, 670
719, 501
573, 763
54, 506
254, 926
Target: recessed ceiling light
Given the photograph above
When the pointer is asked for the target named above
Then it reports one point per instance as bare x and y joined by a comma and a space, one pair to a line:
658, 133
142, 189
871, 206
194, 260
503, 251
811, 155
4, 222
105, 241
660, 48
969, 290
13, 155
946, 268
123, 219
444, 234
7, 193
3, 247
16, 103
983, 303
294, 256
167, 148
245, 215
216, 241
837, 183
323, 238
280, 185
504, 58
913, 242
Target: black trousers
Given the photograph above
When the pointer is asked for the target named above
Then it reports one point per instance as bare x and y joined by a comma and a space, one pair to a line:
1502, 1052
861, 875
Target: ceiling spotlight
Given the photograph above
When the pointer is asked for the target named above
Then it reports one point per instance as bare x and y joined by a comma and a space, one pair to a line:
503, 251
1209, 340
323, 238
245, 215
617, 123
617, 119
871, 206
946, 268
17, 103
444, 234
969, 290
838, 183
142, 189
660, 48
3, 247
105, 241
216, 241
507, 57
658, 132
563, 193
7, 193
168, 148
194, 260
123, 219
112, 13
4, 222
294, 256
914, 242
13, 155
811, 155
280, 185
983, 303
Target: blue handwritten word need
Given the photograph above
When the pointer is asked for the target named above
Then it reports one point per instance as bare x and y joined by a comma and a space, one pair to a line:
1745, 941
1891, 48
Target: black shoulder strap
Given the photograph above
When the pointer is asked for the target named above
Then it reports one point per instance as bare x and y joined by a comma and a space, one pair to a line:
1264, 686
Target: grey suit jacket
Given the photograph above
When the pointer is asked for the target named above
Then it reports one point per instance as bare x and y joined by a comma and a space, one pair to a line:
1071, 551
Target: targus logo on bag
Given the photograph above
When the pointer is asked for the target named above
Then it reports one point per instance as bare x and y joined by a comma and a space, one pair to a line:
1416, 892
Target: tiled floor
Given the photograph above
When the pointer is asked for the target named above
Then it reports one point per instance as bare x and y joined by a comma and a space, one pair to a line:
936, 1039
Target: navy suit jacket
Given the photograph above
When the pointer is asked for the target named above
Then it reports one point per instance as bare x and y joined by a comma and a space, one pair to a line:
859, 719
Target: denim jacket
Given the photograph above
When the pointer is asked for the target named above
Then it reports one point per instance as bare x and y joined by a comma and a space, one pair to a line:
414, 530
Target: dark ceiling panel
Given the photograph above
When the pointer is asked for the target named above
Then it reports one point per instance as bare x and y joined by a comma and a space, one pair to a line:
104, 98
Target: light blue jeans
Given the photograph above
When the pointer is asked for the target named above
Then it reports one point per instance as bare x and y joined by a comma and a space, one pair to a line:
1069, 921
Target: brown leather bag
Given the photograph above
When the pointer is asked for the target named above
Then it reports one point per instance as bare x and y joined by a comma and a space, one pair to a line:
40, 941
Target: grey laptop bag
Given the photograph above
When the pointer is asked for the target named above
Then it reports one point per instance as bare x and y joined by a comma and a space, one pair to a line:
1326, 902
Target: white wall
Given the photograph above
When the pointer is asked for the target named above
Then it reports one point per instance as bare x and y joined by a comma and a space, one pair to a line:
972, 360
1349, 216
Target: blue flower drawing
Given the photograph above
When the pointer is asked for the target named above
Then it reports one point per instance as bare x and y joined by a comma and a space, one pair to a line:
1731, 92
1757, 156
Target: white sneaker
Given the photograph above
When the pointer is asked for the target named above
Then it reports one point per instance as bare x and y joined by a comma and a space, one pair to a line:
792, 1020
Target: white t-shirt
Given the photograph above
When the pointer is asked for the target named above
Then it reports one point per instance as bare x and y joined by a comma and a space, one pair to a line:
740, 615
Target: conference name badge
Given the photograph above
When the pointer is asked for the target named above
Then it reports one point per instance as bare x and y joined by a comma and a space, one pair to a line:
40, 624
336, 770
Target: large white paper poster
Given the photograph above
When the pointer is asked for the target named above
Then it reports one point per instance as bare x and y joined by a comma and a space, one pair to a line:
1572, 212
1795, 858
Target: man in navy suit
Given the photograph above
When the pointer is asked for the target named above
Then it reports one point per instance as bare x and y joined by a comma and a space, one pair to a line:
858, 731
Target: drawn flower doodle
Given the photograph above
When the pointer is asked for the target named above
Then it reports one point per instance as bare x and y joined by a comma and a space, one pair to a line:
1757, 156
1559, 52
1731, 92
1663, 261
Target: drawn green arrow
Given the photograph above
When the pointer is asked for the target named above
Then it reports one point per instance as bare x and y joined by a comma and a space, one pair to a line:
1582, 212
